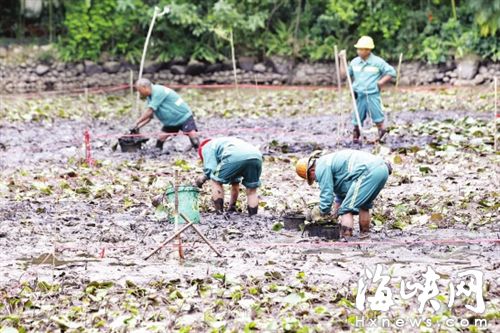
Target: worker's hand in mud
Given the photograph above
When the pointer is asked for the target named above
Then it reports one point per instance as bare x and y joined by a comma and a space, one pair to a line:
200, 181
317, 215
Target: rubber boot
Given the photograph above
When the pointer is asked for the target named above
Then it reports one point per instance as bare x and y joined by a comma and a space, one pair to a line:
355, 135
382, 134
252, 210
219, 206
364, 227
159, 144
195, 142
345, 231
232, 208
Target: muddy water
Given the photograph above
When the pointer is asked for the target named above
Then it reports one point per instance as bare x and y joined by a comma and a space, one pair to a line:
92, 240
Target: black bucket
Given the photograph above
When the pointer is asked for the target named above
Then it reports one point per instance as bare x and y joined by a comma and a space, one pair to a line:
328, 231
293, 221
131, 144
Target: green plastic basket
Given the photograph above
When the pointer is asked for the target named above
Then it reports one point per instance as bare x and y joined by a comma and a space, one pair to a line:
188, 203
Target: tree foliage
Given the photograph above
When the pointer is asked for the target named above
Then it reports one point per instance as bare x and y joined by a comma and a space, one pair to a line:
304, 29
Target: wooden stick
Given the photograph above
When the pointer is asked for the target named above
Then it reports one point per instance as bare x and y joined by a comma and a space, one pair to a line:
176, 212
340, 130
200, 234
176, 234
399, 69
354, 105
132, 88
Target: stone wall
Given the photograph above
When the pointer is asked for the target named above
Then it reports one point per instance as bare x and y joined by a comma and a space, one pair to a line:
32, 76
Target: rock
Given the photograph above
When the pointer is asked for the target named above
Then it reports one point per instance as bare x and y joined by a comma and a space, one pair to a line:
246, 63
212, 68
478, 79
446, 79
91, 68
259, 68
467, 67
111, 67
439, 76
79, 68
195, 67
151, 67
60, 67
178, 69
452, 74
280, 65
483, 70
41, 70
463, 83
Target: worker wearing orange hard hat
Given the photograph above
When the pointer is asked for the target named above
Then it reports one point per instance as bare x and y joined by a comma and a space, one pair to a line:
232, 161
369, 74
351, 178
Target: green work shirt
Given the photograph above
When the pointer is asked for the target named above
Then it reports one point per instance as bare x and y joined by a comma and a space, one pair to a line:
168, 106
366, 73
337, 171
227, 150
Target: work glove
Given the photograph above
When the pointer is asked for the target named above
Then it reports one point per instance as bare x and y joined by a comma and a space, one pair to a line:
200, 181
134, 130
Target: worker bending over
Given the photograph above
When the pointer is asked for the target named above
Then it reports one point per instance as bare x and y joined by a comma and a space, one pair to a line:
232, 161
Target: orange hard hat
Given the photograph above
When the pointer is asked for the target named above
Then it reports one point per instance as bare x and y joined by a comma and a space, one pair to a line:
200, 148
305, 165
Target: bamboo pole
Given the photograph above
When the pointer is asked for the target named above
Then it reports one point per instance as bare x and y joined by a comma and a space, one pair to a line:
201, 235
354, 105
176, 213
171, 238
233, 57
156, 14
399, 69
495, 116
340, 129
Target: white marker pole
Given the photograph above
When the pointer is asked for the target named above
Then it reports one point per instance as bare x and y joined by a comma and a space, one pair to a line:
495, 116
354, 105
156, 13
340, 129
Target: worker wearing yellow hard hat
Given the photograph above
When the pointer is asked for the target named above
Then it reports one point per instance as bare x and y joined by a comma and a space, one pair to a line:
369, 73
351, 178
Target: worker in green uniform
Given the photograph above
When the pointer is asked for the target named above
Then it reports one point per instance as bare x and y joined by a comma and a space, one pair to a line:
232, 161
170, 109
369, 73
350, 178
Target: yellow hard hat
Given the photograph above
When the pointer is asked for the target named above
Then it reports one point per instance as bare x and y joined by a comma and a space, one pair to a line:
304, 166
365, 42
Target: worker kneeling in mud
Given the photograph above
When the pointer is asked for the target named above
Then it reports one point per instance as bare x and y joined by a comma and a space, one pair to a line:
352, 179
170, 109
231, 161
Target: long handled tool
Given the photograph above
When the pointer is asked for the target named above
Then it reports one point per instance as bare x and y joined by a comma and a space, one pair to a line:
340, 128
354, 104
